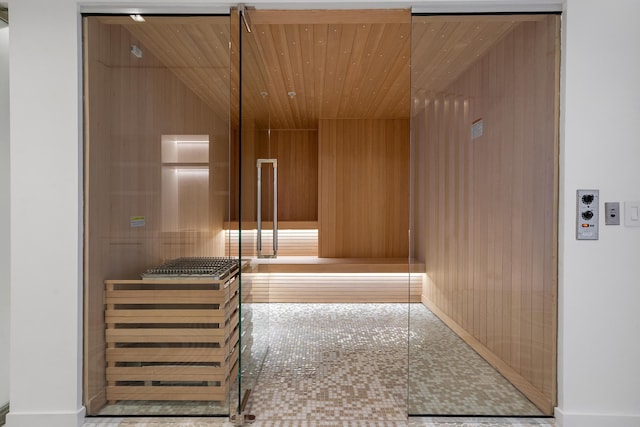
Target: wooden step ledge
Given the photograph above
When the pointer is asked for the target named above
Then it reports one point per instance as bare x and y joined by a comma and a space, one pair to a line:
268, 225
293, 264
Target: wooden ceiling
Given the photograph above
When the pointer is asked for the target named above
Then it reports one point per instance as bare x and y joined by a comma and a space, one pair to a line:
444, 46
340, 64
195, 49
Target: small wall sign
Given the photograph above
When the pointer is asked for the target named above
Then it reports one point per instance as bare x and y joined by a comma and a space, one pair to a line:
137, 221
477, 129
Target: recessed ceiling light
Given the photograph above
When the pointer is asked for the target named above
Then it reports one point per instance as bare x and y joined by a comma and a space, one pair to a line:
137, 18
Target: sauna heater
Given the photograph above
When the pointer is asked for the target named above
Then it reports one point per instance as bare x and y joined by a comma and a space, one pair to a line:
216, 268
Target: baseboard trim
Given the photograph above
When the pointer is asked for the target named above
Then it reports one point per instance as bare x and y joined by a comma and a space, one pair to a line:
4, 410
97, 402
532, 393
572, 419
46, 419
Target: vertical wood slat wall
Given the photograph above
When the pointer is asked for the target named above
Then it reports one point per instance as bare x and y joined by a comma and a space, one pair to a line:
487, 207
363, 177
130, 103
297, 155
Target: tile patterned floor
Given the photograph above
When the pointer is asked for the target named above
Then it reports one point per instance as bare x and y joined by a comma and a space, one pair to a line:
412, 422
447, 377
334, 361
348, 362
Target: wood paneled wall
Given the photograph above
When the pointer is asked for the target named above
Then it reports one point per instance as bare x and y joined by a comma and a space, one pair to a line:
130, 104
486, 208
363, 188
297, 155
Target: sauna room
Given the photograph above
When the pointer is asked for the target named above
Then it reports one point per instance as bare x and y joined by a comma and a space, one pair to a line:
272, 197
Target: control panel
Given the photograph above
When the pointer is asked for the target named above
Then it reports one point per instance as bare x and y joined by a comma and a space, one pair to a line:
587, 215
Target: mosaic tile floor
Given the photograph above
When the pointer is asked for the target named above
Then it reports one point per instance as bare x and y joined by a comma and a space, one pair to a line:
447, 377
349, 362
334, 361
412, 422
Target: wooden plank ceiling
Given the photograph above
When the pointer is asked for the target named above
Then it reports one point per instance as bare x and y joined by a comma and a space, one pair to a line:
195, 49
444, 46
339, 64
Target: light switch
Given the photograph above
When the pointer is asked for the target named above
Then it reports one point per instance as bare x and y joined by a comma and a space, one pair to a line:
632, 214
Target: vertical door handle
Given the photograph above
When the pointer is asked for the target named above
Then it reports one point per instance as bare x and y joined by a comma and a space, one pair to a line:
259, 164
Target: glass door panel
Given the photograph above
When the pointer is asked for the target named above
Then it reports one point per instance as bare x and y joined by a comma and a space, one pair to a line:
161, 295
484, 189
331, 104
253, 183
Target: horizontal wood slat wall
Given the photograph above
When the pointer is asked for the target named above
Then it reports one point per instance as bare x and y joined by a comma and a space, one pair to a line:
333, 288
290, 242
363, 188
487, 207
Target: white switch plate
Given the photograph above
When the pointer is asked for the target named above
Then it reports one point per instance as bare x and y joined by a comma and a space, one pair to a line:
632, 214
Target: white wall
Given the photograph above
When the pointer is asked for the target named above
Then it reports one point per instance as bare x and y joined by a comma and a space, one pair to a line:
4, 214
46, 215
599, 369
599, 348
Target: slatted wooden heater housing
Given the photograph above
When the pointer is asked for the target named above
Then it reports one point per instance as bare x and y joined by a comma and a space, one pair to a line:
173, 337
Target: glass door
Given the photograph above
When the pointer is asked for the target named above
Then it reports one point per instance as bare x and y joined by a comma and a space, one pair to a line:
323, 154
255, 204
161, 286
484, 198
